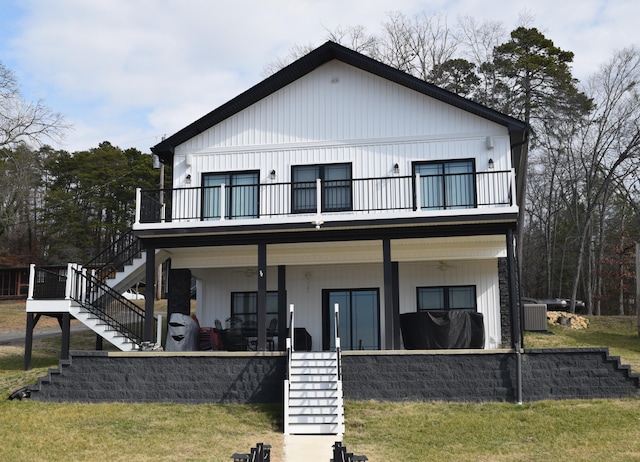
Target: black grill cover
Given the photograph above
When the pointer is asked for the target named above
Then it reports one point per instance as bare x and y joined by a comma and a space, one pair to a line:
438, 330
182, 333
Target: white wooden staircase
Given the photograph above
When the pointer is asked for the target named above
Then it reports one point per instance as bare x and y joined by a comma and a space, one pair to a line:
313, 390
92, 293
106, 331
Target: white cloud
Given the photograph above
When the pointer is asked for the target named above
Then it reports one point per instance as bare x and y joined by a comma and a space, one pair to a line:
130, 70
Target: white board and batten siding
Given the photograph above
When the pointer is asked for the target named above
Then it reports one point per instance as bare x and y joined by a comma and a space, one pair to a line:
315, 268
339, 113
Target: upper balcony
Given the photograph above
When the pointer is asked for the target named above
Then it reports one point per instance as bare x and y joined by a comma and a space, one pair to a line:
247, 202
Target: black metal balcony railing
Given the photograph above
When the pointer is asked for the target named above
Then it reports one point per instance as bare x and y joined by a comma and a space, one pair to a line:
364, 195
49, 284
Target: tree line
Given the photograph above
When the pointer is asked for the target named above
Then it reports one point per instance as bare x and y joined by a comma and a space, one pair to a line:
61, 207
576, 236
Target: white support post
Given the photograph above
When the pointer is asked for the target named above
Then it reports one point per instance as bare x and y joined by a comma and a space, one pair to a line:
418, 195
223, 201
67, 288
159, 331
513, 187
336, 312
318, 196
290, 339
32, 280
83, 288
138, 205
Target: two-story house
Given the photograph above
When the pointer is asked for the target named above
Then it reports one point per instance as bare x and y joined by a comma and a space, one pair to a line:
340, 180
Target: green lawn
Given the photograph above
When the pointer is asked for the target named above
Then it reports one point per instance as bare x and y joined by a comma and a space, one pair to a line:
386, 432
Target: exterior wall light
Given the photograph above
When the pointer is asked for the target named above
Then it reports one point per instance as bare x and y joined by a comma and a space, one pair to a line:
188, 179
396, 168
489, 142
491, 165
273, 174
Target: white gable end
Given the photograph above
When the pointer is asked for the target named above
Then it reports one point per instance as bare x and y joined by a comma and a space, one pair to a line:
340, 103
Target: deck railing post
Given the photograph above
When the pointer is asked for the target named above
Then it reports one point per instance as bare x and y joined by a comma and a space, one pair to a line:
32, 279
417, 188
69, 281
513, 186
318, 196
336, 311
223, 201
138, 205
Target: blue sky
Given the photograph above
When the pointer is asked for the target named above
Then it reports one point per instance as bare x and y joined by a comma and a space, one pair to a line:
131, 71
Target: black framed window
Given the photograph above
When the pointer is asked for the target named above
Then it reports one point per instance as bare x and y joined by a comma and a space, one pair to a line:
244, 310
440, 298
335, 187
446, 184
241, 195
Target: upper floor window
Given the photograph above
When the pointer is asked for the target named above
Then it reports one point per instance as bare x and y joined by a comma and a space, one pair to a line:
446, 184
447, 298
240, 192
335, 181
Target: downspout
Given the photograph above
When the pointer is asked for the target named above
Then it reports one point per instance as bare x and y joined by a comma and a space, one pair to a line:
515, 313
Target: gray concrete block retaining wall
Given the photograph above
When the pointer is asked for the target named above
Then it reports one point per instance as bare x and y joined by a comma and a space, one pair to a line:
99, 377
384, 376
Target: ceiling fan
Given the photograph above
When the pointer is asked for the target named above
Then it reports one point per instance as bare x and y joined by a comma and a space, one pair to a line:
443, 265
248, 272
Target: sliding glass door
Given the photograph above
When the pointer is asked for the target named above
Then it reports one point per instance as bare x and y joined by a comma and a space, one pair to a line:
241, 195
358, 319
446, 184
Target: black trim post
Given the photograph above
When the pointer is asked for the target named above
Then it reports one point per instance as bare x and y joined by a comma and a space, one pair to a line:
65, 325
282, 307
516, 335
395, 280
28, 340
149, 291
389, 324
262, 296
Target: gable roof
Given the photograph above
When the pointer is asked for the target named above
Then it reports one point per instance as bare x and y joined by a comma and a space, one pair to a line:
329, 51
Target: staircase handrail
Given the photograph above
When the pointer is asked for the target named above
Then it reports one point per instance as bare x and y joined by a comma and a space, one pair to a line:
109, 306
336, 312
121, 252
289, 341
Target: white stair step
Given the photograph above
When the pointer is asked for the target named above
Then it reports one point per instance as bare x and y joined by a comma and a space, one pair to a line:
314, 394
313, 371
313, 355
313, 364
313, 386
315, 402
314, 419
314, 410
317, 378
316, 429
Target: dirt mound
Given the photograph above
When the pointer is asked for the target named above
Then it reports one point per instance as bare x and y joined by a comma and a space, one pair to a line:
566, 319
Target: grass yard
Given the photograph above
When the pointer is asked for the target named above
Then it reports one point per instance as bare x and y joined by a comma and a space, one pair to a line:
385, 432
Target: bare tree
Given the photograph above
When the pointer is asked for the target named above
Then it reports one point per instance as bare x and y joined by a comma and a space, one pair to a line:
296, 52
606, 148
477, 42
355, 38
22, 121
